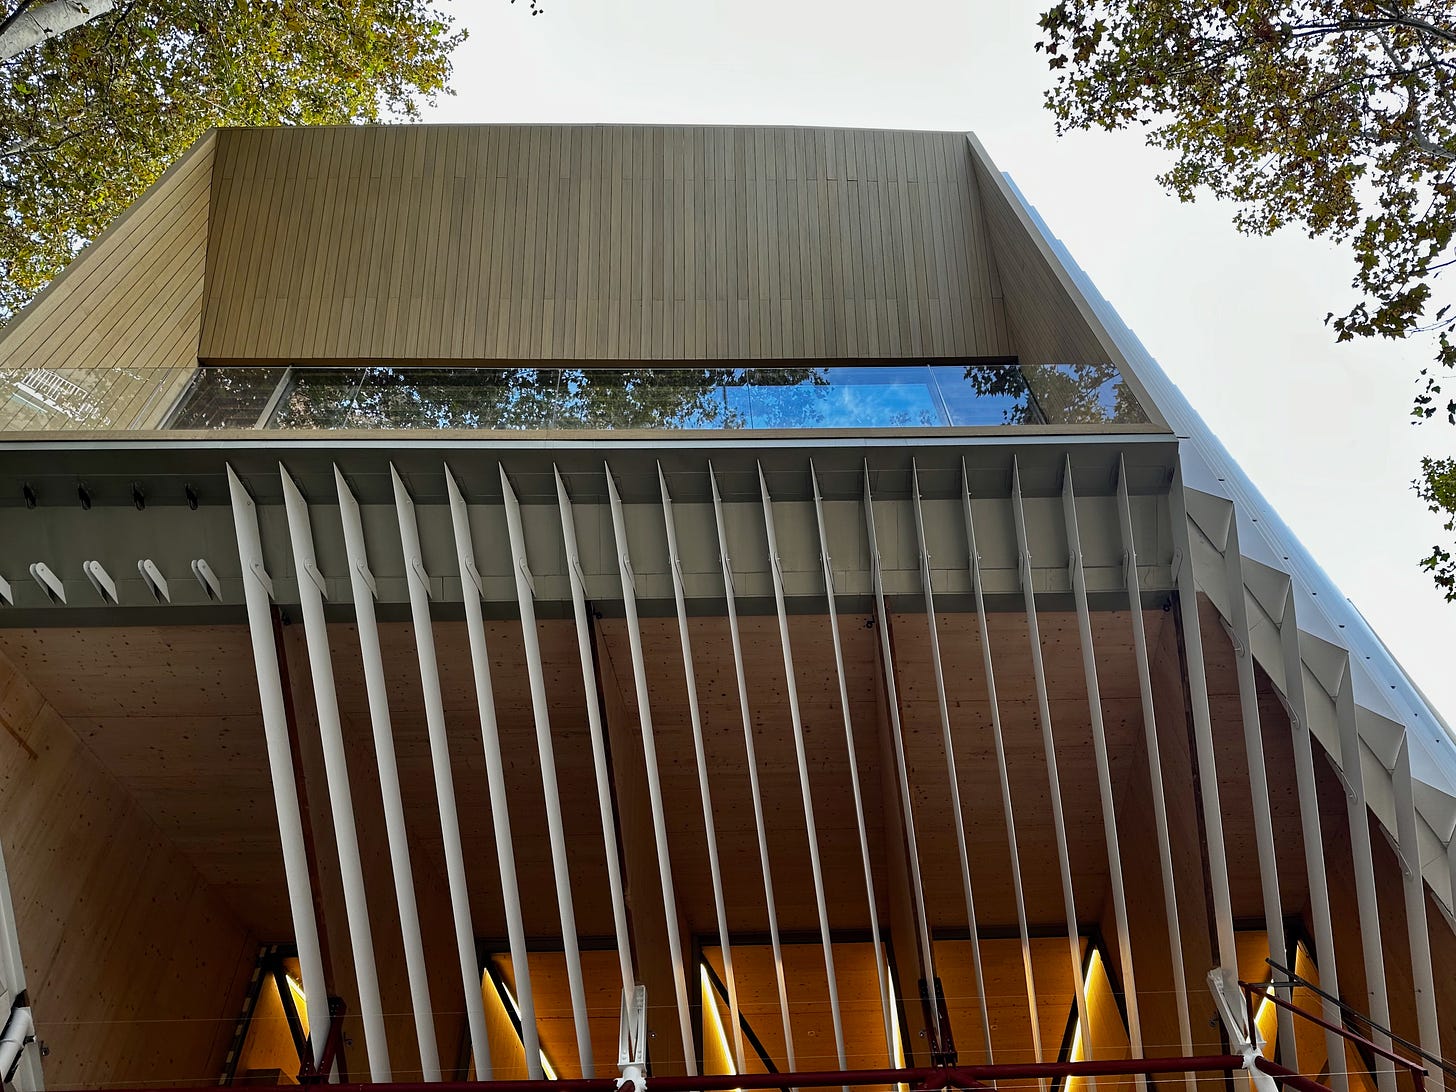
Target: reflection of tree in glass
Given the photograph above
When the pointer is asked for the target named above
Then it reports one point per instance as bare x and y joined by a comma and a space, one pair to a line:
1058, 394
525, 398
227, 397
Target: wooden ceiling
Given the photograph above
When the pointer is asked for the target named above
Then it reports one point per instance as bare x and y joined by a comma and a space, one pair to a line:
171, 712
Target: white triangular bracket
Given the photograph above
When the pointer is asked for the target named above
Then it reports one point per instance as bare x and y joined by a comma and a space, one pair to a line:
1244, 1042
632, 1040
312, 572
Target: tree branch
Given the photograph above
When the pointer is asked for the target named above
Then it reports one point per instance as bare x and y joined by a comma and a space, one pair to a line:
33, 24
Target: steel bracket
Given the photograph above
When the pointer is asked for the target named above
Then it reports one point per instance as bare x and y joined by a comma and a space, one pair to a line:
632, 1041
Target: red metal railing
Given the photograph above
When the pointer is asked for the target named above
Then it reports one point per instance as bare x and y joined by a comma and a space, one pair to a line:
928, 1078
1266, 991
922, 1079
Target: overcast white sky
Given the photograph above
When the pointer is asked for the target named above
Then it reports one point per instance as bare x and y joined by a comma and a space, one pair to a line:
1321, 429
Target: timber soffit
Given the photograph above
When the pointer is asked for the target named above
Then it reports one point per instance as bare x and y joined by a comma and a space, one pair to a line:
1334, 637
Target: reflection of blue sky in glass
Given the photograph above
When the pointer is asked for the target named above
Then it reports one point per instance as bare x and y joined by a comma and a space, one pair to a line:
843, 397
904, 404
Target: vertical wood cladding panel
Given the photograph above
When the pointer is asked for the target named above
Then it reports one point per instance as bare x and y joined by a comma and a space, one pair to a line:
136, 968
126, 312
624, 243
1045, 324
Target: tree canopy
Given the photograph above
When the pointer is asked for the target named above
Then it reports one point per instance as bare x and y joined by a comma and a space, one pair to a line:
1337, 117
94, 113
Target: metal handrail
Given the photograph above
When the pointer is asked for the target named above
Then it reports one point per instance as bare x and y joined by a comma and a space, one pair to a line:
921, 1079
1264, 991
1295, 979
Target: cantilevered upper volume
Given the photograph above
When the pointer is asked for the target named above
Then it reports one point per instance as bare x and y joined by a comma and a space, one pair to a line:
749, 581
472, 244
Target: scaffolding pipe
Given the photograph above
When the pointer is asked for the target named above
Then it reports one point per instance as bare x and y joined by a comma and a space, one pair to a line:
735, 638
881, 972
556, 831
598, 738
654, 780
500, 810
336, 772
1155, 762
700, 756
803, 763
258, 594
361, 583
956, 812
1049, 744
419, 600
998, 737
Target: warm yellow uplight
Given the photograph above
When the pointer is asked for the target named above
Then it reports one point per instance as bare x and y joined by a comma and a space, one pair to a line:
516, 1009
715, 1020
300, 999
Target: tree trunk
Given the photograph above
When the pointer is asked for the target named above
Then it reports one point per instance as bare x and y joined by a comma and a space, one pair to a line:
47, 20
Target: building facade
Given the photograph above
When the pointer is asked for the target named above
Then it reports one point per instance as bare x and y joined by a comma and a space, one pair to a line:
727, 607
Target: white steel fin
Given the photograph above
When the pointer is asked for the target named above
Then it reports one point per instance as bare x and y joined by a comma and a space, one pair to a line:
419, 600
500, 812
540, 708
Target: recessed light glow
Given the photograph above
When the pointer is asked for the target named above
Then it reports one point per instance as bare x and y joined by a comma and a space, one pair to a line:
715, 1020
516, 1010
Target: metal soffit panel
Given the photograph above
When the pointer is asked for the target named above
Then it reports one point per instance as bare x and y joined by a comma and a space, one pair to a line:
139, 513
1334, 639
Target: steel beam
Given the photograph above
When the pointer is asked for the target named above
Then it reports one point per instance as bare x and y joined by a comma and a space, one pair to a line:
258, 594
999, 738
556, 831
735, 638
1428, 1022
500, 808
881, 971
1309, 817
924, 1078
948, 742
882, 623
1258, 776
654, 780
1203, 733
336, 770
419, 598
700, 756
1368, 898
1155, 763
1100, 759
361, 583
803, 763
1049, 744
598, 737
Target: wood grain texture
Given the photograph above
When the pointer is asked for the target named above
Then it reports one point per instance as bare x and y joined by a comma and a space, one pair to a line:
125, 316
591, 242
1045, 324
136, 966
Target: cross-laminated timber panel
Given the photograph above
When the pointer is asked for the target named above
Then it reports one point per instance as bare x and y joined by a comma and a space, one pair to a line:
136, 965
